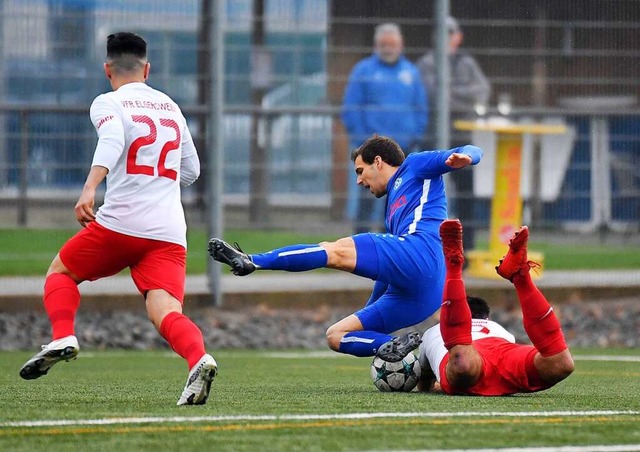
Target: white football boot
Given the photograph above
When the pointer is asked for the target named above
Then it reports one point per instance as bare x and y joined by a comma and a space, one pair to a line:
63, 349
196, 391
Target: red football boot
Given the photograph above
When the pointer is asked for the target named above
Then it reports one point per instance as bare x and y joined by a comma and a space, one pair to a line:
451, 235
516, 259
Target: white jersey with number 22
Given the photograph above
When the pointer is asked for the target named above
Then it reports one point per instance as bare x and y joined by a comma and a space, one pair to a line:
144, 142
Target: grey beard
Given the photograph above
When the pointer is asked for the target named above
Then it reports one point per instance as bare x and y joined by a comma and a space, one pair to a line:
389, 59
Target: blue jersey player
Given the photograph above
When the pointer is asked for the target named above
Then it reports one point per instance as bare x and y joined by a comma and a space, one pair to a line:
407, 263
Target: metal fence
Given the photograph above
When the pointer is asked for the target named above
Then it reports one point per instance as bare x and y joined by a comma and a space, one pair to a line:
552, 61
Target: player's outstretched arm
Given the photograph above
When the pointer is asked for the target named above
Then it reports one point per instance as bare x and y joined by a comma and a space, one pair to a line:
429, 164
464, 156
84, 206
457, 161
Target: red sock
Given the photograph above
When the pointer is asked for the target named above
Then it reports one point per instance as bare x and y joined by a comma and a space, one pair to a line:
455, 315
540, 322
61, 301
454, 270
184, 337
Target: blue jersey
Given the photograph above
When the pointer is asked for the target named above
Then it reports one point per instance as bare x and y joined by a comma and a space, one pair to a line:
415, 193
387, 99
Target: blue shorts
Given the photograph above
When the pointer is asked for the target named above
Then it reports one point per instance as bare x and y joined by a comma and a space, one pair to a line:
409, 273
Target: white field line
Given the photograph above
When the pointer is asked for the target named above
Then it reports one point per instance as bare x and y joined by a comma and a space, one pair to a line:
309, 417
122, 354
328, 354
314, 354
603, 448
633, 359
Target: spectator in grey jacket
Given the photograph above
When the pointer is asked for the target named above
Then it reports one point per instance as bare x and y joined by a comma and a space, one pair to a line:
468, 87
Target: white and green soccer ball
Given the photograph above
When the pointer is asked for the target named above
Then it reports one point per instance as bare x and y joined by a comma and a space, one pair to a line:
401, 376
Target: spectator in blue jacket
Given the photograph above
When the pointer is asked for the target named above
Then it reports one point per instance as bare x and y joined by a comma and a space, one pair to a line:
384, 95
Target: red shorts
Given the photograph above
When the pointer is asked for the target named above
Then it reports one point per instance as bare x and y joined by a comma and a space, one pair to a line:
507, 368
96, 252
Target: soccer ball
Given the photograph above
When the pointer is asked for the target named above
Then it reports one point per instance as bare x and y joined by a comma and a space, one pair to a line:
401, 376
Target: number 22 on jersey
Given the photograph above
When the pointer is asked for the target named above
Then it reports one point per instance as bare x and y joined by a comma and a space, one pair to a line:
163, 171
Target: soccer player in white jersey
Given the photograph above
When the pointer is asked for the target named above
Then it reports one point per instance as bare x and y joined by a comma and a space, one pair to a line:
145, 152
469, 354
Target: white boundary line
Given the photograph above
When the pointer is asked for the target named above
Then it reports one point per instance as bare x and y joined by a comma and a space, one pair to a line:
328, 354
626, 358
307, 417
602, 448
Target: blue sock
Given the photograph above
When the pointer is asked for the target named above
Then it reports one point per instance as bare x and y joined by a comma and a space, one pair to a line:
294, 258
363, 343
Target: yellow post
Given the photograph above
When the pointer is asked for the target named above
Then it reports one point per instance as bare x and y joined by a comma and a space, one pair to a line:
506, 205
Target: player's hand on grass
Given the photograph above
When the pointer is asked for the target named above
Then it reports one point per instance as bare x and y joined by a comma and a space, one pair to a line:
84, 207
457, 161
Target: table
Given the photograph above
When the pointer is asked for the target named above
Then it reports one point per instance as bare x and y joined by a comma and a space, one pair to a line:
506, 204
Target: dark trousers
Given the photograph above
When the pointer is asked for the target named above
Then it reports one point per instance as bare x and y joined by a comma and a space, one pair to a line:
370, 214
464, 204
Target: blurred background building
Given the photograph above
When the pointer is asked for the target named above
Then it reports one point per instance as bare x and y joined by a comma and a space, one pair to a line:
286, 64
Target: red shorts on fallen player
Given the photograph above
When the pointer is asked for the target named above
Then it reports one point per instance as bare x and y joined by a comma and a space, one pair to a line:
507, 369
96, 252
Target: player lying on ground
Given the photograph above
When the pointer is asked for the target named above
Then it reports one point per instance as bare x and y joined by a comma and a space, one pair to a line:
145, 151
407, 263
469, 354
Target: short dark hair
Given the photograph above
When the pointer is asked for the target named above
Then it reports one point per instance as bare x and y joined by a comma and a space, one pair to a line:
479, 308
388, 150
126, 51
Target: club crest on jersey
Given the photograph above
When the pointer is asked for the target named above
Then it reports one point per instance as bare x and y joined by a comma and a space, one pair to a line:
406, 77
397, 183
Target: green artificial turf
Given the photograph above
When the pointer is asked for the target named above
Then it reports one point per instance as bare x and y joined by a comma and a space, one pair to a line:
29, 251
107, 385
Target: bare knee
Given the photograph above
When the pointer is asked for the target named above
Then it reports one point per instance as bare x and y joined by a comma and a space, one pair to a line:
566, 367
556, 368
464, 367
334, 336
341, 254
159, 304
337, 331
460, 365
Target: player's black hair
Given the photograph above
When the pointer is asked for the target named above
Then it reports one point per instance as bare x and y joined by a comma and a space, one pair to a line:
388, 150
126, 51
479, 308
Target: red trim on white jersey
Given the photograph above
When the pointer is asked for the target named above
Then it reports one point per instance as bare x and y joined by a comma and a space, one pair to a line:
432, 348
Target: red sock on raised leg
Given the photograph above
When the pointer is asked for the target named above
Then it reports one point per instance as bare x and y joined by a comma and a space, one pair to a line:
61, 301
451, 237
455, 315
184, 337
454, 270
540, 322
